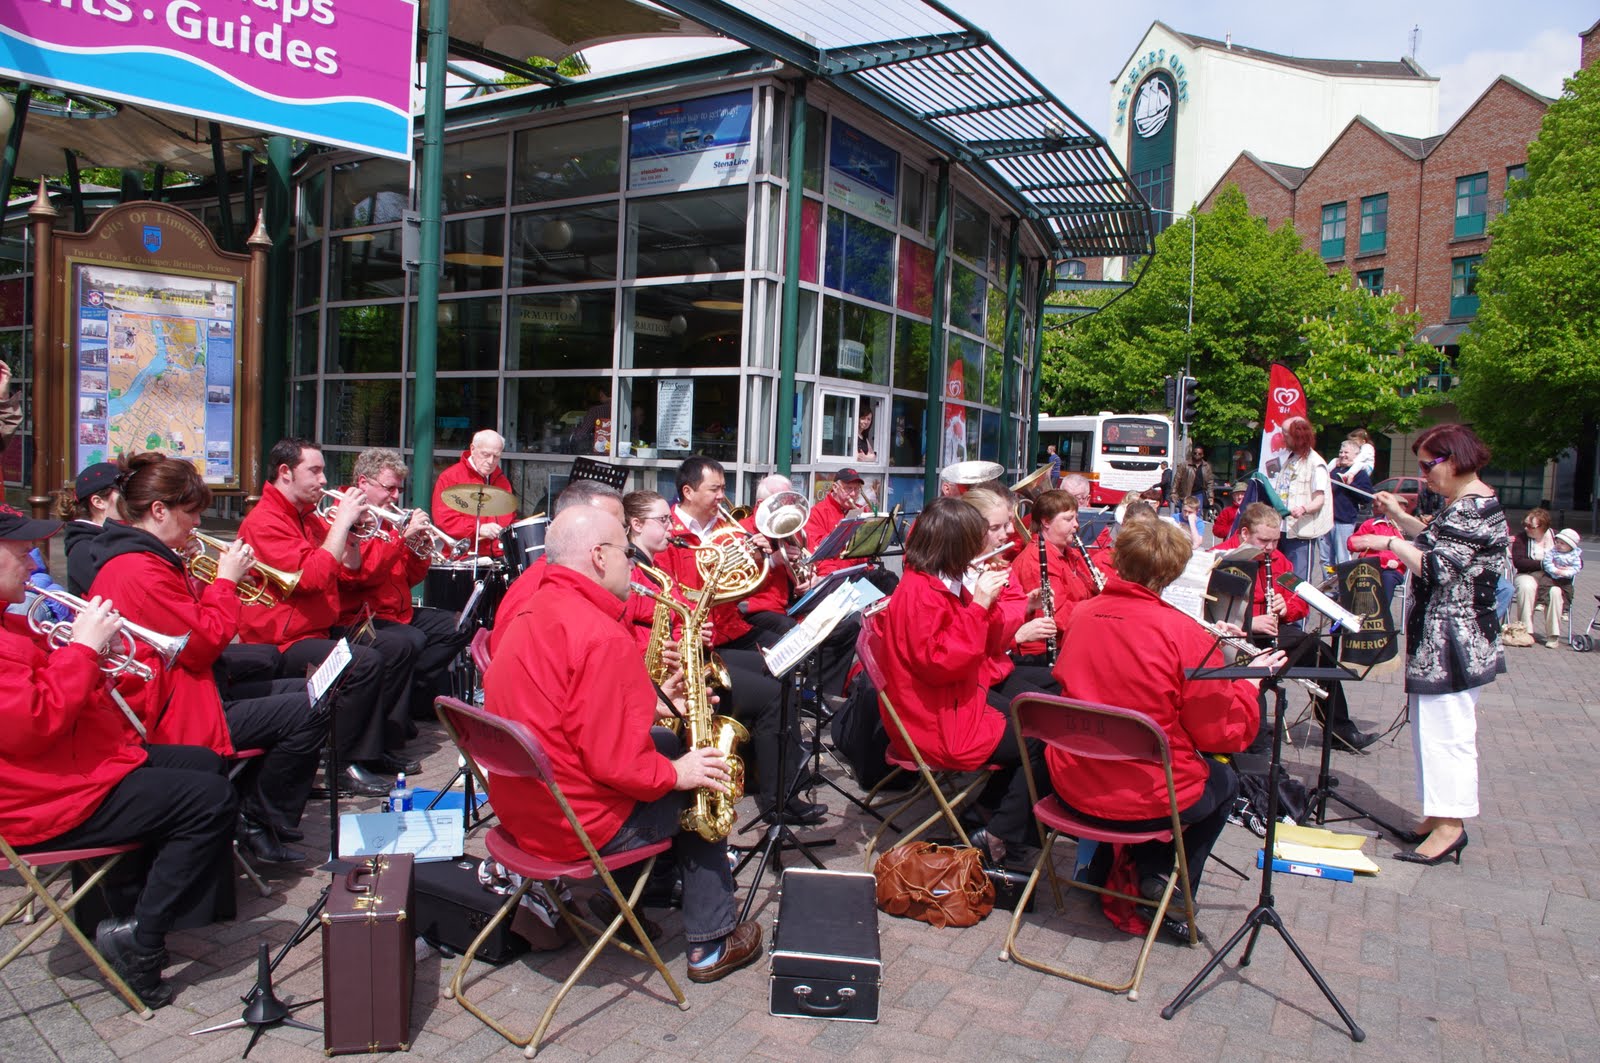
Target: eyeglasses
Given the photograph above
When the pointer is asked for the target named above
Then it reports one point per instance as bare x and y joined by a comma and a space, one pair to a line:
1427, 466
664, 519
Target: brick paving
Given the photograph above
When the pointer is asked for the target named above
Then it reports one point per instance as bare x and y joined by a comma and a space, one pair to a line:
1498, 959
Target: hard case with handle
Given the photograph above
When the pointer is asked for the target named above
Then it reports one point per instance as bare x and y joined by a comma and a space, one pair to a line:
825, 961
369, 957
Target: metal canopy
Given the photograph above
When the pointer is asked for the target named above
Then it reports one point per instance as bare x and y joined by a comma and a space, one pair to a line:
923, 66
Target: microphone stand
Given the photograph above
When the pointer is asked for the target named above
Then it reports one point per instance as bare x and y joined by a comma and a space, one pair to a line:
1265, 912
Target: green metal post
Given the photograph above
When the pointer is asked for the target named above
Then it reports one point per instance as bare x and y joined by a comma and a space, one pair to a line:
278, 208
789, 326
1009, 353
219, 169
19, 118
1034, 409
430, 195
933, 434
75, 187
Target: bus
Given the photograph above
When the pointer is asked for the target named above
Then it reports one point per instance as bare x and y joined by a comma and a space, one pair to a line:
1119, 452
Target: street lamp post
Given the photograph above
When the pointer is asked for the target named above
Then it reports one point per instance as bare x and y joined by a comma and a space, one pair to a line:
1188, 328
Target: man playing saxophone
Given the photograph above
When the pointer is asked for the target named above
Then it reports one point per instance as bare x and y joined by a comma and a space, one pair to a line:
582, 689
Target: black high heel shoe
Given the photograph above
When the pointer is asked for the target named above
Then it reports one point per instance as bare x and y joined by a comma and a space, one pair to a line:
1452, 853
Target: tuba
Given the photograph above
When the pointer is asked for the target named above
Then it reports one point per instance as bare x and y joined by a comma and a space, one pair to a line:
57, 633
262, 585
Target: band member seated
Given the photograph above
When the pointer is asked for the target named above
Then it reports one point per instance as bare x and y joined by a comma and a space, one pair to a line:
935, 643
1222, 527
756, 699
139, 563
1013, 627
1071, 581
86, 506
1140, 647
572, 674
372, 705
77, 775
479, 465
844, 499
393, 560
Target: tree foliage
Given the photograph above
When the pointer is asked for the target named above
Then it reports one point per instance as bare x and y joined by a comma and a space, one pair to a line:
1259, 297
1530, 365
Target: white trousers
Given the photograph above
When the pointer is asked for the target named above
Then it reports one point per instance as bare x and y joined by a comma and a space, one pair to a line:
1444, 736
1528, 597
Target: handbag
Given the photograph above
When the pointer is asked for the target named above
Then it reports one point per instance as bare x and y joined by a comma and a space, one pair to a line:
938, 884
1516, 633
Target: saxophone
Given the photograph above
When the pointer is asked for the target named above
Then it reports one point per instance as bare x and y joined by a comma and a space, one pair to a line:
655, 659
711, 816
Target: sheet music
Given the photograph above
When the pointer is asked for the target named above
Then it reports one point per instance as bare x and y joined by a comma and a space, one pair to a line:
328, 673
809, 633
1188, 591
436, 835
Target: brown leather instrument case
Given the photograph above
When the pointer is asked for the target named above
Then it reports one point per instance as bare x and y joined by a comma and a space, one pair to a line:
369, 958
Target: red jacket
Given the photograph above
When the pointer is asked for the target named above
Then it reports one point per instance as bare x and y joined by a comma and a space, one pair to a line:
1222, 527
1070, 583
1387, 559
776, 590
518, 600
1140, 646
463, 525
932, 647
826, 513
389, 569
580, 686
182, 705
1294, 609
63, 743
679, 562
287, 538
1011, 610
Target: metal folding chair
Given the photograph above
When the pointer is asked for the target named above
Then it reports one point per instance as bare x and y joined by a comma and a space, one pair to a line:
506, 748
1098, 732
236, 764
933, 781
58, 912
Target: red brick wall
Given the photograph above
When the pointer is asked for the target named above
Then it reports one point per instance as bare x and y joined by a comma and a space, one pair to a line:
1265, 193
1591, 49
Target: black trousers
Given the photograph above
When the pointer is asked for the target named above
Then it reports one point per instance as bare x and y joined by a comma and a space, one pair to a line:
180, 806
435, 643
358, 716
246, 662
757, 702
276, 717
834, 656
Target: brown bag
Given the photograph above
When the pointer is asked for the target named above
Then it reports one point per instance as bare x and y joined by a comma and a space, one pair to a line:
938, 884
1516, 633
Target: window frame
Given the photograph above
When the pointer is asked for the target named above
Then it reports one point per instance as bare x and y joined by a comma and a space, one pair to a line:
1335, 216
1464, 270
1374, 235
1469, 188
820, 438
1365, 277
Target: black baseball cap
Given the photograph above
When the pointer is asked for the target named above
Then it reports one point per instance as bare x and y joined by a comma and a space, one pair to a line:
17, 528
96, 478
849, 476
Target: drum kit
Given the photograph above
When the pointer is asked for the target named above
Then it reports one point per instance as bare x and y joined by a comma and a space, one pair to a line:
449, 585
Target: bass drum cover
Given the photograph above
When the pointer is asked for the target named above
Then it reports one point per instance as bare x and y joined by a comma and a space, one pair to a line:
449, 587
523, 542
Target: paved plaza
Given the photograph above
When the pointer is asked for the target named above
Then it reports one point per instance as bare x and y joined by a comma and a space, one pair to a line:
1498, 959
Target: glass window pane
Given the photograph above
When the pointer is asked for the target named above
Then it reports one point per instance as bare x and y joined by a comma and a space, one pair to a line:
562, 246
574, 159
713, 419
13, 250
906, 492
837, 437
474, 174
561, 330
369, 192
967, 295
915, 291
694, 232
806, 358
758, 420
308, 275
303, 409
859, 257
305, 344
14, 309
364, 339
816, 134
462, 406
362, 413
964, 368
855, 341
995, 316
989, 437
971, 231
308, 217
913, 187
558, 415
911, 342
365, 266
474, 254
469, 336
907, 435
993, 376
684, 325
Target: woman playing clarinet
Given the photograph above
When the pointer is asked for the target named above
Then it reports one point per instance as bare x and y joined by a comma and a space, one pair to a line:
1071, 580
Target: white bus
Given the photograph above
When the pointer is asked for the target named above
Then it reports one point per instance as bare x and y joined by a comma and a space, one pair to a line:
1119, 452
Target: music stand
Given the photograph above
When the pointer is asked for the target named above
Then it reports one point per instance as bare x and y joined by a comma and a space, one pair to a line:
1265, 912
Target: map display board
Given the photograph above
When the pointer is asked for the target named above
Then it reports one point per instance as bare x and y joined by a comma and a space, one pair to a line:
155, 367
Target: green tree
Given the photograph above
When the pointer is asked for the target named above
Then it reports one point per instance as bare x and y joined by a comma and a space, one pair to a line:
1530, 364
1259, 297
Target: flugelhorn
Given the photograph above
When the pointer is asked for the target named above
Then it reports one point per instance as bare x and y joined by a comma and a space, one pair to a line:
430, 542
58, 633
201, 554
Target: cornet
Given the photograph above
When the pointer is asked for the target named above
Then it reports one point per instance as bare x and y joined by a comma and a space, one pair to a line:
367, 529
58, 633
431, 543
201, 554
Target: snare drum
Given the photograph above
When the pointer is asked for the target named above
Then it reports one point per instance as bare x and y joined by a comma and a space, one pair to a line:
449, 587
523, 542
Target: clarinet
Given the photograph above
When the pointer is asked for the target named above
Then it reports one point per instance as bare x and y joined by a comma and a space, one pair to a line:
1047, 598
1271, 599
1098, 576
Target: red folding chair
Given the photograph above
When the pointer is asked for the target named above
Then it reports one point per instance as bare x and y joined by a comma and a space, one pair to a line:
933, 781
478, 650
506, 748
101, 859
1097, 732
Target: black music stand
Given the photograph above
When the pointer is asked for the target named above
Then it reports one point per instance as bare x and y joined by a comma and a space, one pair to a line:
1265, 912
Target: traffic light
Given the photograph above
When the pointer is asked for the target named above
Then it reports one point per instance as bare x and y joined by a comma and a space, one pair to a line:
1172, 392
1186, 399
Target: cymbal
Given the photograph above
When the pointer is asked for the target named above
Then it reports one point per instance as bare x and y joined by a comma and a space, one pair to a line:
968, 473
479, 500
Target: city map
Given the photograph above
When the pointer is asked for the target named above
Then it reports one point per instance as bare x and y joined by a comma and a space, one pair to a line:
156, 368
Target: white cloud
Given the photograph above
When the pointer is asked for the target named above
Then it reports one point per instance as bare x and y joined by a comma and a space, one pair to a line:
1541, 64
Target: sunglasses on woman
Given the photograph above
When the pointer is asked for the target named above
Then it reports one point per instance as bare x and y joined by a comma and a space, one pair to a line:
1427, 466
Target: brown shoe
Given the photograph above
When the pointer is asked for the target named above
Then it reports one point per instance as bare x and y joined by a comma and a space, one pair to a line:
739, 948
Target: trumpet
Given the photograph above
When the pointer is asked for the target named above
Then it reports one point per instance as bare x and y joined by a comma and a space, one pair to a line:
262, 585
58, 633
368, 529
430, 542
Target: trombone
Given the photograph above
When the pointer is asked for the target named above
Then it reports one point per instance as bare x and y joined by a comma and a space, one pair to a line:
262, 585
58, 633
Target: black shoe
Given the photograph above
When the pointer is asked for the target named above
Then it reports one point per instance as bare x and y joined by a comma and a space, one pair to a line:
394, 765
1151, 887
139, 967
357, 780
1175, 928
263, 843
986, 844
1452, 853
1348, 738
798, 813
290, 834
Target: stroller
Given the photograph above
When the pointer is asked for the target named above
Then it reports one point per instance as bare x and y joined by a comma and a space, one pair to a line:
1585, 640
